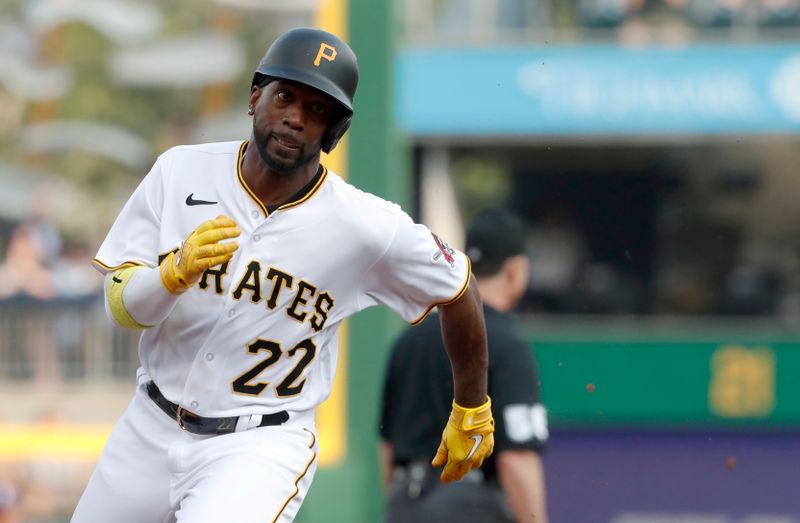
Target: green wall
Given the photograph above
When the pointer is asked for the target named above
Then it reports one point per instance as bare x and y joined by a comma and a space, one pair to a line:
724, 375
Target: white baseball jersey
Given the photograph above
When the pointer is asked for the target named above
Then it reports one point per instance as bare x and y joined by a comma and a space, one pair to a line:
259, 334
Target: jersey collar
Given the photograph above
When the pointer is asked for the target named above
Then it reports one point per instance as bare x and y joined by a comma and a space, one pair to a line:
296, 199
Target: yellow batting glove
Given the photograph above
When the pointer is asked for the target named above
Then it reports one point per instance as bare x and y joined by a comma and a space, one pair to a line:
200, 251
467, 440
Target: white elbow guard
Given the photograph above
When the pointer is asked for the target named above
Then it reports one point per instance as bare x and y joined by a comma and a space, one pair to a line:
116, 307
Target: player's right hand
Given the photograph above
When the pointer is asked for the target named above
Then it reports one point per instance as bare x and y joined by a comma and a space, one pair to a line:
200, 251
467, 440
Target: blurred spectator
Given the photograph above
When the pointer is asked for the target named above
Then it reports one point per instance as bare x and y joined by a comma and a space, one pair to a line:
23, 272
77, 281
557, 250
657, 22
488, 18
76, 278
9, 503
749, 290
41, 220
25, 275
780, 12
637, 21
711, 13
647, 21
602, 289
607, 13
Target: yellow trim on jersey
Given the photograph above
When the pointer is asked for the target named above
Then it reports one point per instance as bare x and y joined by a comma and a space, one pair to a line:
287, 205
297, 481
243, 183
451, 300
310, 193
108, 268
116, 286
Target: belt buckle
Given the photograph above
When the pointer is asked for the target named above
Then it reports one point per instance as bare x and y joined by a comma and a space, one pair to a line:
179, 417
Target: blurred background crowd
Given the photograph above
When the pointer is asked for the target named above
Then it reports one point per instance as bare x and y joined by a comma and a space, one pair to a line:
694, 226
628, 21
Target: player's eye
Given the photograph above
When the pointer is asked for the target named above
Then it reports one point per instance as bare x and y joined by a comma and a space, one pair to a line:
283, 96
319, 108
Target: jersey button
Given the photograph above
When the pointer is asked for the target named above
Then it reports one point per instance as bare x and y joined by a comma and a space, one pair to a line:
231, 313
209, 356
254, 214
194, 404
256, 237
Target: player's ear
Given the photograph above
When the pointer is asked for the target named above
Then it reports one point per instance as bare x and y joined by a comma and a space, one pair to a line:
255, 94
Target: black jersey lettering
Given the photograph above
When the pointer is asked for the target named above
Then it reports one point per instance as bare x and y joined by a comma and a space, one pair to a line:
322, 307
302, 287
298, 303
279, 279
217, 272
250, 281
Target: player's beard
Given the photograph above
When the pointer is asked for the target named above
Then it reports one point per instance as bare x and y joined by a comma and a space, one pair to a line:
275, 162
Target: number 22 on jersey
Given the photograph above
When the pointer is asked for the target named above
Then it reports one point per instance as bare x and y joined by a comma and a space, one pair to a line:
288, 386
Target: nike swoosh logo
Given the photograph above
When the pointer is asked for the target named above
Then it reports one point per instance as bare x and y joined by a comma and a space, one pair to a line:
192, 201
478, 439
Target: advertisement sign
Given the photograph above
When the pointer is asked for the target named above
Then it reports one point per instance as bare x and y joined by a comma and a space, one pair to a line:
599, 90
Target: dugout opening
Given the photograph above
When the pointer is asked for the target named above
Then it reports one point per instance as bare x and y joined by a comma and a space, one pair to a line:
681, 228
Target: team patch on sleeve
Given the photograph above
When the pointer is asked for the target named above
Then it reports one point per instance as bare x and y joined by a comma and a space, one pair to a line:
444, 252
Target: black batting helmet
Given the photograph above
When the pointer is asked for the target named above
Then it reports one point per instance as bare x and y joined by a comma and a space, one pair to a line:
320, 60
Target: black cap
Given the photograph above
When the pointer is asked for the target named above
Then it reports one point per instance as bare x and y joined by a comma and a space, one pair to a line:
492, 237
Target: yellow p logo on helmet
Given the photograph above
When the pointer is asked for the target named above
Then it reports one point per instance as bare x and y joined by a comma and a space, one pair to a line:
322, 53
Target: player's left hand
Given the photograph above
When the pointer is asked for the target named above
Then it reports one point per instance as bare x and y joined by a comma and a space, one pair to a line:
467, 440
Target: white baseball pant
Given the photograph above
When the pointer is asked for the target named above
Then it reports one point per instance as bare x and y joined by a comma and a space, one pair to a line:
152, 471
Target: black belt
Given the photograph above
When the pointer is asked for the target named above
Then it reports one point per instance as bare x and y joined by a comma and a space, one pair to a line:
195, 424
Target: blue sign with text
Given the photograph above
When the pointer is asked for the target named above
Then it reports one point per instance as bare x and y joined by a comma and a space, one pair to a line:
599, 90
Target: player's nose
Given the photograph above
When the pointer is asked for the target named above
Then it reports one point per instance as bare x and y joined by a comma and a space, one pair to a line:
294, 116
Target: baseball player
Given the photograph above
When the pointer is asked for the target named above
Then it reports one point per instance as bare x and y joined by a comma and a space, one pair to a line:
239, 261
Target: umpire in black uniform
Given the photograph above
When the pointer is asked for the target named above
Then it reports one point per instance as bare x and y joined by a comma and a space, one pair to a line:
418, 393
